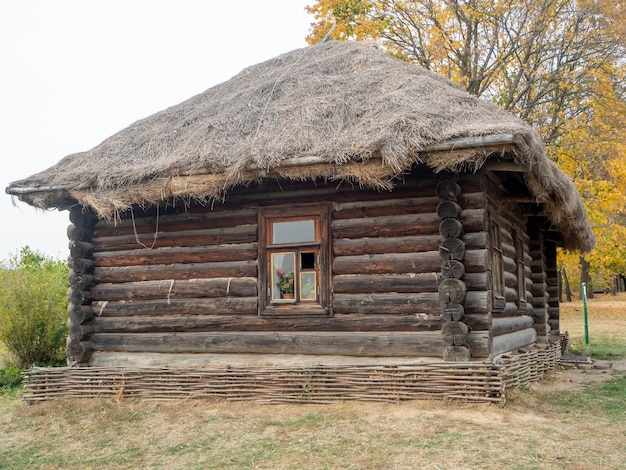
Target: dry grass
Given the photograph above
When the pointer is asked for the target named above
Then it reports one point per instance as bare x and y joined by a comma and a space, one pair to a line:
539, 429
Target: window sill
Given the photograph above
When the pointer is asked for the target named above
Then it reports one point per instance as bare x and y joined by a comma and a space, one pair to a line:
295, 310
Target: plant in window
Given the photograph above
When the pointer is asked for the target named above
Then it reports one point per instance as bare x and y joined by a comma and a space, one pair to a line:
308, 288
285, 282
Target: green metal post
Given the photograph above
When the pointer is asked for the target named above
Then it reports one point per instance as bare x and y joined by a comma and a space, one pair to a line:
585, 312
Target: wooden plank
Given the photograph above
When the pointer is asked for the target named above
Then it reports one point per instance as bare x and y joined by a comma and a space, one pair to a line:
510, 341
502, 326
342, 343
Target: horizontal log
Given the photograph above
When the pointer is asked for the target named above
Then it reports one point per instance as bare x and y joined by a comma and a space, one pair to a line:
478, 302
509, 264
386, 226
177, 255
512, 341
340, 343
384, 207
175, 289
218, 306
382, 245
477, 281
386, 303
399, 263
480, 343
510, 279
376, 283
501, 326
158, 272
145, 226
510, 294
187, 323
509, 250
511, 309
218, 236
540, 315
407, 244
478, 321
474, 220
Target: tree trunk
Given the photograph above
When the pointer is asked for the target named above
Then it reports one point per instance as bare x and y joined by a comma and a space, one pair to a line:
585, 277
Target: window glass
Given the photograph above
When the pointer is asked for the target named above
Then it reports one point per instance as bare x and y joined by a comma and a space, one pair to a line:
283, 276
299, 231
308, 286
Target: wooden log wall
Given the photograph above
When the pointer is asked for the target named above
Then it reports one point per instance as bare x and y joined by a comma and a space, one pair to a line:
81, 280
513, 325
452, 288
539, 278
169, 273
552, 292
423, 247
409, 262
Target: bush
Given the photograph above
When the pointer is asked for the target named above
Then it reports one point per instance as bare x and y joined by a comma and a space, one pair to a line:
10, 378
33, 309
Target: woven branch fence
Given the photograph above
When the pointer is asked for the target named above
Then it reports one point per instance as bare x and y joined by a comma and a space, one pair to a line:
468, 381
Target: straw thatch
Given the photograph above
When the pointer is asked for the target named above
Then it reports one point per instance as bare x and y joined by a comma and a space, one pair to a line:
337, 110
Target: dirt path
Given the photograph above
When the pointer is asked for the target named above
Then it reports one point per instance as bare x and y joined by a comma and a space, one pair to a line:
574, 378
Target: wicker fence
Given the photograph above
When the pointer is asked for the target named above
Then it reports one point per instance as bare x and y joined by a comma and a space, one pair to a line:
469, 381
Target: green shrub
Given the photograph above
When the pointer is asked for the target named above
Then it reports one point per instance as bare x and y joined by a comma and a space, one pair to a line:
10, 378
33, 309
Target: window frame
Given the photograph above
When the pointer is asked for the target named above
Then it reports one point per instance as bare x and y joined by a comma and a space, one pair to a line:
520, 266
497, 266
268, 305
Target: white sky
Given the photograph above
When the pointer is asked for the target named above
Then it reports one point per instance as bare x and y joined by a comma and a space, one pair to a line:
74, 72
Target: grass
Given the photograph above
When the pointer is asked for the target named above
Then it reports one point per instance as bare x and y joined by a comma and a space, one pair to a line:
573, 429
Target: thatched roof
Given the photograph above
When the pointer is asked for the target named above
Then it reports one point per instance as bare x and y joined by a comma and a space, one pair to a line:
336, 110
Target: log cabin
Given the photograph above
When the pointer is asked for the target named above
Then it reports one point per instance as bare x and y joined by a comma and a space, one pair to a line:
332, 201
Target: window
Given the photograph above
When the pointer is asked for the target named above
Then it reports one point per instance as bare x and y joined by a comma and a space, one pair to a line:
293, 254
521, 271
497, 271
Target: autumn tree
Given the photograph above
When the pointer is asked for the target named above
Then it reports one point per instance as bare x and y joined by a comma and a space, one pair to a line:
558, 64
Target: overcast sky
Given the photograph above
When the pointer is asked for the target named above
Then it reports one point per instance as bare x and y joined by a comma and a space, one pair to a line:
74, 72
